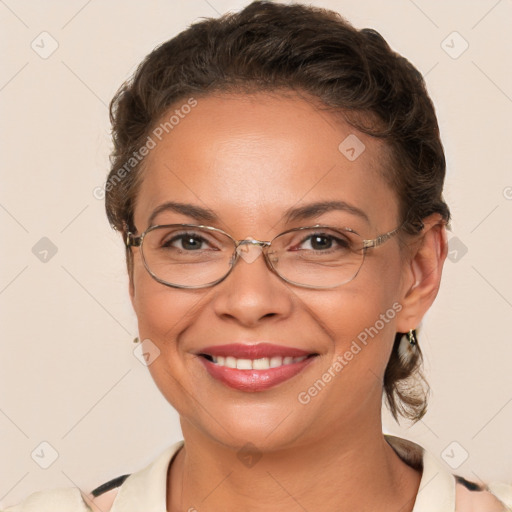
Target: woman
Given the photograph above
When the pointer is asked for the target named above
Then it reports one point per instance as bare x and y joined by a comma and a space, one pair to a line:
277, 179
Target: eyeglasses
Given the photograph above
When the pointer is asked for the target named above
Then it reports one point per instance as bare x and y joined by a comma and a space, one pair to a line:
196, 256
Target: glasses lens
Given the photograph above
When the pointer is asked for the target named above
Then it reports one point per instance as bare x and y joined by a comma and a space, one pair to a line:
190, 256
187, 256
318, 257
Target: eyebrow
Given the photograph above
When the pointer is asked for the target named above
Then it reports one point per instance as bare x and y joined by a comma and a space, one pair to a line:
292, 214
314, 209
196, 212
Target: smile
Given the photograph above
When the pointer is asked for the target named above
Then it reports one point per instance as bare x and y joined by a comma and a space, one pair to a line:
254, 367
264, 363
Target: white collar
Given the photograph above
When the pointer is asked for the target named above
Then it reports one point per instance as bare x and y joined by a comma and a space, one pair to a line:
147, 489
437, 484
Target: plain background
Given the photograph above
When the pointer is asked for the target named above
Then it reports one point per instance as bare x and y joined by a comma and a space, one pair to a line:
68, 374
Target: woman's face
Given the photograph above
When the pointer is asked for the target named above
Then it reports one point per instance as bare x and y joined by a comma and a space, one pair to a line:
249, 159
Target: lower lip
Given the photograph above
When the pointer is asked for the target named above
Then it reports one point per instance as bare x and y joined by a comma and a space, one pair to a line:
254, 380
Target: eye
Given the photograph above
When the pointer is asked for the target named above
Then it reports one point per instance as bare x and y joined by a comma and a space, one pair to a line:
321, 241
189, 241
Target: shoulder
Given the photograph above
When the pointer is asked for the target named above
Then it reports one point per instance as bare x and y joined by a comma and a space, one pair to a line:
146, 485
102, 498
54, 500
70, 499
472, 497
445, 490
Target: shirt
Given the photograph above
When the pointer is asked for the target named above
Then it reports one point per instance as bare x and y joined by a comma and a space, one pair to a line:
146, 490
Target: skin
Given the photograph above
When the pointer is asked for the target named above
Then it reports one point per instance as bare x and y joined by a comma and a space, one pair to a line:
249, 158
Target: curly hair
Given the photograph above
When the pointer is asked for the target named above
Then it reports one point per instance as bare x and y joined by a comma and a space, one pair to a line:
315, 52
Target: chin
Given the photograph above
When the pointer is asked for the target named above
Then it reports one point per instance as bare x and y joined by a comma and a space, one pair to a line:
270, 431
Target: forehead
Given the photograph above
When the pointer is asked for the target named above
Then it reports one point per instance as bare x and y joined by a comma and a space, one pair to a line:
252, 157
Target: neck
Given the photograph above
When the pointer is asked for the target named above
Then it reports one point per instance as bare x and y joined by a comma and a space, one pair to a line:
353, 471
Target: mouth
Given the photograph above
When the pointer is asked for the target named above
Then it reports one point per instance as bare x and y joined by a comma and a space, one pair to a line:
254, 367
263, 363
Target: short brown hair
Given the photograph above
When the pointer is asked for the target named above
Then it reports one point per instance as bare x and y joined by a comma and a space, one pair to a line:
274, 47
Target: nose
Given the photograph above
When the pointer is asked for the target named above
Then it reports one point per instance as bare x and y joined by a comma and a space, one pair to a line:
252, 291
249, 249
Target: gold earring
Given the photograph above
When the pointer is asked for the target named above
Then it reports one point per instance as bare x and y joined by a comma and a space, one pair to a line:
407, 347
136, 340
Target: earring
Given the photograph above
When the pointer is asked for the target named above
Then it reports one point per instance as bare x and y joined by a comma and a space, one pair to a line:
407, 346
136, 340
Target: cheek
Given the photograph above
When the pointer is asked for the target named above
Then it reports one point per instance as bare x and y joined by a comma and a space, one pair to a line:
360, 319
162, 313
360, 303
157, 307
162, 310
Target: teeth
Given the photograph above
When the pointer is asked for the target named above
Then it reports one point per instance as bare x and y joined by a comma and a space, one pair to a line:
244, 364
264, 363
261, 364
276, 361
230, 362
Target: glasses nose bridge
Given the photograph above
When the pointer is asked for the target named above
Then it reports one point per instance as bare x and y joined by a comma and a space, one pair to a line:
252, 241
264, 244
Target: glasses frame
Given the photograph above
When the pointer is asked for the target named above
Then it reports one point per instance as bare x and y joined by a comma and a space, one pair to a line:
131, 240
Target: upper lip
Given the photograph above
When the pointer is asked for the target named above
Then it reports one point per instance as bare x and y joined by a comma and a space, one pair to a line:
253, 351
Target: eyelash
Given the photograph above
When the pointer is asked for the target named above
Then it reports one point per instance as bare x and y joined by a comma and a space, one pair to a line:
344, 243
182, 236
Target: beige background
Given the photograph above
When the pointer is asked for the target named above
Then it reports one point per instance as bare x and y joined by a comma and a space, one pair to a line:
68, 375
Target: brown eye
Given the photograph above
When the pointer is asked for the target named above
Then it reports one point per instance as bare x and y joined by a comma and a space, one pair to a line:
186, 241
320, 241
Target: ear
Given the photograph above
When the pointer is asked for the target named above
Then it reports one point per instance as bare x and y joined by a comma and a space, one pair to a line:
422, 271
